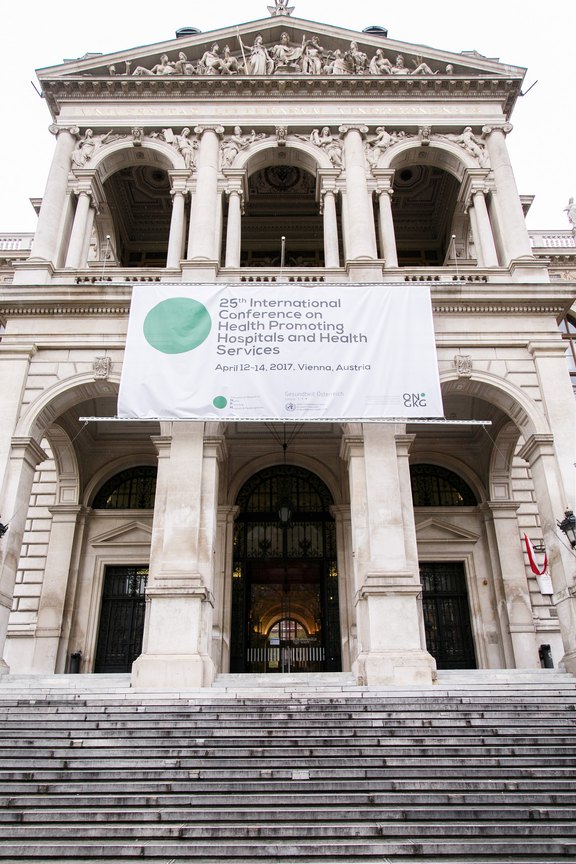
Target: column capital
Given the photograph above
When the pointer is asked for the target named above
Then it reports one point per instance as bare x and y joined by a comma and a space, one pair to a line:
506, 128
384, 179
351, 445
54, 129
327, 180
404, 443
29, 450
215, 446
502, 509
547, 348
351, 127
87, 180
178, 178
216, 128
474, 180
537, 445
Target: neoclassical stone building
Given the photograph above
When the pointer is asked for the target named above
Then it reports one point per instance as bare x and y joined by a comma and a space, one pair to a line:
285, 152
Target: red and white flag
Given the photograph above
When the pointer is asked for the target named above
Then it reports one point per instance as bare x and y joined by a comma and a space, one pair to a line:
542, 573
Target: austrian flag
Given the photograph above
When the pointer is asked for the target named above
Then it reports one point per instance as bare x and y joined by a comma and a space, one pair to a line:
542, 574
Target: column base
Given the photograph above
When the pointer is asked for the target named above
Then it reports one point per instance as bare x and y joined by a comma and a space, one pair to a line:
172, 672
400, 668
569, 662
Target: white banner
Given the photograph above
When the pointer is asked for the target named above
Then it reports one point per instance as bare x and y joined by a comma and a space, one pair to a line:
280, 352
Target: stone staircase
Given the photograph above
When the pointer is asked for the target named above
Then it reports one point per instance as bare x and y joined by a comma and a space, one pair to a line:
480, 767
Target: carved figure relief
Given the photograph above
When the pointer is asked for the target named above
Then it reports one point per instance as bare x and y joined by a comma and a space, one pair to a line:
374, 147
324, 139
285, 56
233, 144
88, 144
258, 61
472, 144
186, 146
162, 68
307, 58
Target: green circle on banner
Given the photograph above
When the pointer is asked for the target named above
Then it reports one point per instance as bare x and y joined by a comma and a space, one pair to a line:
220, 402
177, 325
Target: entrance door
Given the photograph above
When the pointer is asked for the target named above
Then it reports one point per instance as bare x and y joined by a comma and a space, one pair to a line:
121, 625
285, 627
447, 615
285, 610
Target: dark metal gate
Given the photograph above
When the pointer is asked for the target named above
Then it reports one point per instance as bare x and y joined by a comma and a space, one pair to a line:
447, 615
285, 609
121, 625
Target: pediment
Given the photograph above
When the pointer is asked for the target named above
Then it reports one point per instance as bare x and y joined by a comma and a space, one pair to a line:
335, 42
133, 533
434, 530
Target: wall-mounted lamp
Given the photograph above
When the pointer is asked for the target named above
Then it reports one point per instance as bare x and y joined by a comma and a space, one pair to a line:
568, 527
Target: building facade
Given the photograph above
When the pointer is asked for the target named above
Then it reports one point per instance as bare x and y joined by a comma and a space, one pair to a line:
284, 151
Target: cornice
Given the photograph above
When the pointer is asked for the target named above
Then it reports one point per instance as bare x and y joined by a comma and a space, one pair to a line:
114, 299
365, 87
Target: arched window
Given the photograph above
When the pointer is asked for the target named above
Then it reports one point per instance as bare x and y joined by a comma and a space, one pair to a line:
433, 486
132, 489
568, 330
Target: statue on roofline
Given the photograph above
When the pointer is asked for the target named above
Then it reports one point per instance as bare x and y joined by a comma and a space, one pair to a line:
280, 8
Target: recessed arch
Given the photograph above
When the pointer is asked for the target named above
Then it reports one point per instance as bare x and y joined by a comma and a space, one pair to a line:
509, 398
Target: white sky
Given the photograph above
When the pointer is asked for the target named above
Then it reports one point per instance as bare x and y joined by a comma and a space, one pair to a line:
536, 35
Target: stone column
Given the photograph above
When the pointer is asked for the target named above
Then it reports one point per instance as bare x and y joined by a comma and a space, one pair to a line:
234, 228
203, 218
559, 405
515, 612
88, 236
330, 223
551, 498
45, 245
483, 238
50, 621
25, 455
361, 235
15, 361
346, 589
515, 239
327, 191
384, 191
179, 599
390, 630
189, 243
176, 237
79, 228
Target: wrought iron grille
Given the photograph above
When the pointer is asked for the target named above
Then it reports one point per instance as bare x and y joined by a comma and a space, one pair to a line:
446, 614
134, 488
121, 624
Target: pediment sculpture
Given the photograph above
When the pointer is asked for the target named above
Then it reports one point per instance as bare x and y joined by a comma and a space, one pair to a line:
308, 57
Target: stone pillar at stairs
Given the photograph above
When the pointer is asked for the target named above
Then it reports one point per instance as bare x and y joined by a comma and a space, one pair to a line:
387, 582
179, 598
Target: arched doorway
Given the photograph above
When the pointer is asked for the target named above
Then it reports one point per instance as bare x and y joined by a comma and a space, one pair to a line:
285, 611
122, 605
445, 602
